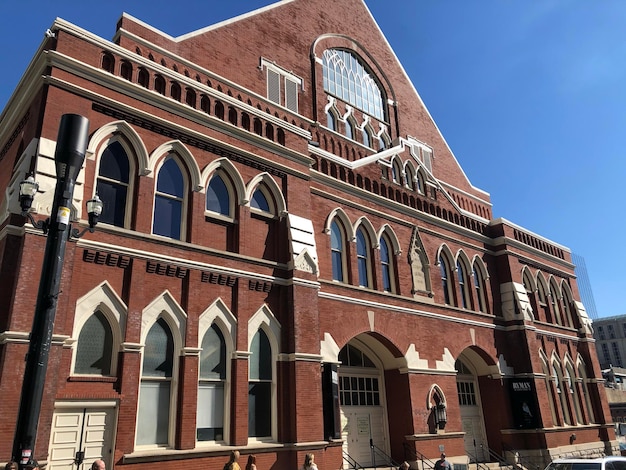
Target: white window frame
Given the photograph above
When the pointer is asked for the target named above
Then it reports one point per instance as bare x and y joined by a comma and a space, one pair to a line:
286, 79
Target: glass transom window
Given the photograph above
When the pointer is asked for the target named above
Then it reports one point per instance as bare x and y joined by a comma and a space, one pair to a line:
346, 77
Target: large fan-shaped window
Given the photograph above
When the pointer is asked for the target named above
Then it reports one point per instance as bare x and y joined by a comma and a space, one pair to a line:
346, 77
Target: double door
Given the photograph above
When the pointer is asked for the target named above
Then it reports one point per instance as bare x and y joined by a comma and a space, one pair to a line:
81, 435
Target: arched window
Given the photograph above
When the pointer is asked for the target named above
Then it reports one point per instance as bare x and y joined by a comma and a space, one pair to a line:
108, 62
347, 77
260, 201
570, 378
159, 84
212, 377
386, 265
112, 184
551, 398
205, 104
363, 258
245, 121
382, 145
557, 376
419, 182
367, 138
143, 78
554, 304
126, 70
409, 172
337, 251
543, 302
260, 386
585, 390
155, 394
169, 200
444, 269
331, 121
464, 294
94, 348
218, 197
396, 172
349, 129
479, 287
219, 110
175, 91
190, 97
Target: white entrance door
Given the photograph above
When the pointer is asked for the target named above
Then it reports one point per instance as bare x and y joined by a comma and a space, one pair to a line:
475, 443
75, 430
359, 426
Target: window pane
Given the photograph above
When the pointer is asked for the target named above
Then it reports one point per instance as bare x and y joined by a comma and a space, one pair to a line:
217, 196
154, 413
113, 196
170, 179
213, 355
158, 352
261, 357
167, 217
93, 354
210, 414
260, 409
259, 201
114, 163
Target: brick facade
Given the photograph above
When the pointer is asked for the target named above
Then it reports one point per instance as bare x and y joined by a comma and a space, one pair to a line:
202, 100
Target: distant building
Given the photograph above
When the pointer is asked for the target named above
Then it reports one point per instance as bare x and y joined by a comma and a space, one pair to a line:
584, 286
610, 335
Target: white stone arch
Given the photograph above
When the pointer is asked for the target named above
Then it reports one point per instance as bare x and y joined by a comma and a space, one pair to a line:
226, 166
528, 275
275, 192
345, 222
265, 319
178, 148
480, 266
393, 238
221, 315
435, 390
368, 228
121, 128
165, 306
463, 258
101, 298
447, 253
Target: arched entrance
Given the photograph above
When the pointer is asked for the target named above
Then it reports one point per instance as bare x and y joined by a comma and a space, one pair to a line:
362, 401
470, 404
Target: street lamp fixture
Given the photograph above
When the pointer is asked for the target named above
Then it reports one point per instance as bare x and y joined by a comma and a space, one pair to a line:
441, 416
28, 190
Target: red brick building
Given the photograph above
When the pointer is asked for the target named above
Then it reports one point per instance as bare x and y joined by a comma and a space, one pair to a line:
290, 260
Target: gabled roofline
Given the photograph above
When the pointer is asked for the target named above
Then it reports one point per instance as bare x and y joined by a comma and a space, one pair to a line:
421, 101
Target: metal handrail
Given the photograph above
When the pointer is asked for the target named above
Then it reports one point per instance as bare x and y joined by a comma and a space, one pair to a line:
414, 454
351, 461
387, 458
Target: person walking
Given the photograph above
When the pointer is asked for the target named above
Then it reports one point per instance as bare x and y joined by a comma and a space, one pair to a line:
442, 463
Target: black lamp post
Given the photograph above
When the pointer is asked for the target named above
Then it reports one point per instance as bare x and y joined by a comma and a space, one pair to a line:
69, 157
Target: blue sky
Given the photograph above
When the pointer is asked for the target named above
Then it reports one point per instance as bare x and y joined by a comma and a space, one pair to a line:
529, 95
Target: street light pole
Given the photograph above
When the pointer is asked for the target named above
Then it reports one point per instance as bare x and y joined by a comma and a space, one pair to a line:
69, 157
